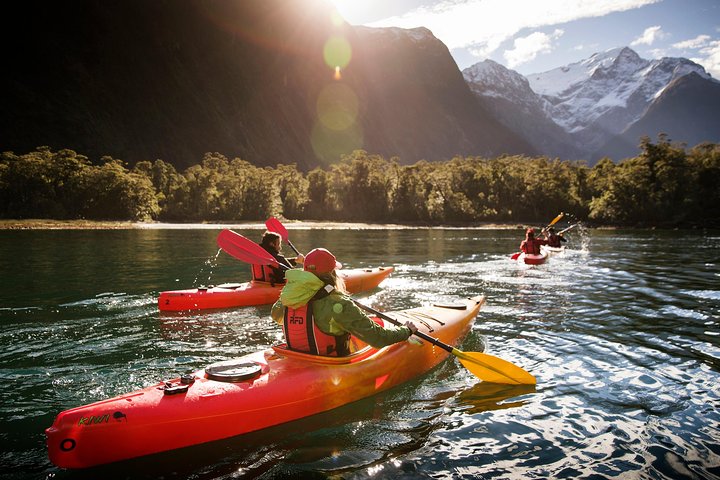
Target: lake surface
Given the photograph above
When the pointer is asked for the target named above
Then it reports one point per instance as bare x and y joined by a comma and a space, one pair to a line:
621, 332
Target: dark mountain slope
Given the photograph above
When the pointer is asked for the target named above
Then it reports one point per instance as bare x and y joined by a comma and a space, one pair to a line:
170, 79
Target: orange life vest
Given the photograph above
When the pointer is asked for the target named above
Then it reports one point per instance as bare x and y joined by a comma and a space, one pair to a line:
264, 273
303, 335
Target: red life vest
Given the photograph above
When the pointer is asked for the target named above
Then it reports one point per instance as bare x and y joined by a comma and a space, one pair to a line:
303, 335
263, 273
531, 246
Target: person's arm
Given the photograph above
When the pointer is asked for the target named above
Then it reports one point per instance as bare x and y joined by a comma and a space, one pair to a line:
347, 316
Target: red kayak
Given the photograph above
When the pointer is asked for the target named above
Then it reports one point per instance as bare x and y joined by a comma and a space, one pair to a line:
253, 392
231, 295
530, 259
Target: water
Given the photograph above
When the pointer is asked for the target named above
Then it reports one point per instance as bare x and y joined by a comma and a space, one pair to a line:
621, 332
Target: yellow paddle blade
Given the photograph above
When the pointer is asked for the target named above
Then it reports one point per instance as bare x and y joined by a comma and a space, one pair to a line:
493, 369
556, 219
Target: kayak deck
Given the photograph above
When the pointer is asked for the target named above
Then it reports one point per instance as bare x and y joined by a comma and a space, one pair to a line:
280, 386
247, 294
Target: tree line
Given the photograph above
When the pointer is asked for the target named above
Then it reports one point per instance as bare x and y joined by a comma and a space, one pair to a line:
665, 185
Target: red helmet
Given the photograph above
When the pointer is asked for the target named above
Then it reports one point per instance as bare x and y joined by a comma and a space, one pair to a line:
320, 260
530, 231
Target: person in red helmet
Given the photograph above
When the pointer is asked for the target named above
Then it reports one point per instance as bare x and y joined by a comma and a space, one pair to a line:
319, 318
531, 245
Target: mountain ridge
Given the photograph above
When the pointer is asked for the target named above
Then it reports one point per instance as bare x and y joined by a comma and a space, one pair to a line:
174, 80
594, 100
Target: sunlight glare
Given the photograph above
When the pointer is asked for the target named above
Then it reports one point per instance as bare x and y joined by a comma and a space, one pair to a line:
353, 11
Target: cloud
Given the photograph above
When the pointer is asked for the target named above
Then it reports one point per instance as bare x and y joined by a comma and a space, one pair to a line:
592, 47
527, 48
483, 25
710, 58
694, 43
649, 36
706, 52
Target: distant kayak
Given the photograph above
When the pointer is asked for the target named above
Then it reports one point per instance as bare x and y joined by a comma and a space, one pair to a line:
246, 294
251, 393
551, 251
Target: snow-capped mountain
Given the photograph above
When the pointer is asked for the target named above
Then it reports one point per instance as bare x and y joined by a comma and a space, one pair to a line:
609, 90
592, 100
508, 96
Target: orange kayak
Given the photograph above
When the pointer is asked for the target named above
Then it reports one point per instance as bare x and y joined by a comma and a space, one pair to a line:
253, 392
231, 295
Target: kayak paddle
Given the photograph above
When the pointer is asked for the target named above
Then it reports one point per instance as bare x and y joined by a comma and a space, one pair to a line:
554, 221
274, 225
568, 228
486, 367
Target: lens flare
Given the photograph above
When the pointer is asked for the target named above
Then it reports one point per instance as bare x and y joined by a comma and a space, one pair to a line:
337, 52
337, 107
329, 145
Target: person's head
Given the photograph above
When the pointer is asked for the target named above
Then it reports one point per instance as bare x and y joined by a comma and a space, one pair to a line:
324, 265
530, 233
320, 261
551, 230
271, 239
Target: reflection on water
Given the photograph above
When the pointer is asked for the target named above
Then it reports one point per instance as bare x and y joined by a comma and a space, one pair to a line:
622, 336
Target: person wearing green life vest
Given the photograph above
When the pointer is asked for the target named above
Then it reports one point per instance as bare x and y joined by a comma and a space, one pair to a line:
319, 318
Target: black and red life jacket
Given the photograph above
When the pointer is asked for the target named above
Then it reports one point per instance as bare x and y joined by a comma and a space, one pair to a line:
303, 335
554, 240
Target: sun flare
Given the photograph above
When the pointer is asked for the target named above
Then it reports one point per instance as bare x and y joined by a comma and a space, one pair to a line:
355, 11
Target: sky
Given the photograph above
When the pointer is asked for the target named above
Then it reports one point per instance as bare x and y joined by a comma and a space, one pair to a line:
533, 36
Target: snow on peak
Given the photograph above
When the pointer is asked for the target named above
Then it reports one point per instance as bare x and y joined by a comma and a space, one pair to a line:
616, 84
555, 82
419, 34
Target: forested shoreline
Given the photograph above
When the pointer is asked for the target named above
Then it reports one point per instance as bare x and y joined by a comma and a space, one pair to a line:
666, 185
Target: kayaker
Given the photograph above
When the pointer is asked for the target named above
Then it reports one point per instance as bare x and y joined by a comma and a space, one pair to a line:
318, 317
272, 243
553, 239
531, 245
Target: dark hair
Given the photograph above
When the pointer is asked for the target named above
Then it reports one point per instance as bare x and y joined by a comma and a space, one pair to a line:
268, 238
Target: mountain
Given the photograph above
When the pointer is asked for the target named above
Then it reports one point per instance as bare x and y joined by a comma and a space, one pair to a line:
171, 79
416, 91
508, 96
686, 110
601, 96
598, 102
